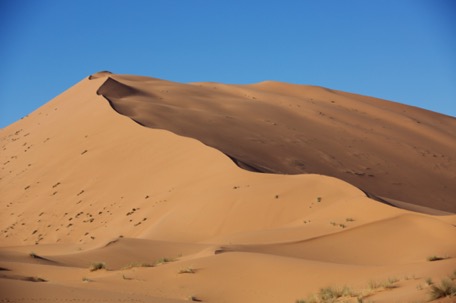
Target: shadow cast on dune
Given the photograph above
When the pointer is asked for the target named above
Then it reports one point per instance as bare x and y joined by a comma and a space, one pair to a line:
279, 128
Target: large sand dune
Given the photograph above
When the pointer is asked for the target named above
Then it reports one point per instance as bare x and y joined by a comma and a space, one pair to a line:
385, 148
176, 220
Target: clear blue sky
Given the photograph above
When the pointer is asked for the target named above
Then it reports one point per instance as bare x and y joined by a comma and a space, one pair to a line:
400, 50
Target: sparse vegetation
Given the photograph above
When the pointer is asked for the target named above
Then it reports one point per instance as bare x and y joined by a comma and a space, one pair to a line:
85, 279
341, 225
137, 264
453, 275
446, 288
388, 284
126, 278
350, 220
97, 266
187, 270
163, 261
194, 299
35, 256
429, 281
36, 279
347, 294
318, 199
329, 293
436, 258
413, 277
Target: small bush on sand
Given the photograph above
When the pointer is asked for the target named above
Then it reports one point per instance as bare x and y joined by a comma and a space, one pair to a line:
388, 284
137, 264
446, 288
187, 270
330, 293
97, 266
36, 279
194, 299
163, 261
435, 258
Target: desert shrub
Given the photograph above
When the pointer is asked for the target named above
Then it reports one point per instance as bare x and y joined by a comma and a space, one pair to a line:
329, 293
388, 284
435, 258
187, 270
137, 264
36, 279
163, 261
97, 266
446, 288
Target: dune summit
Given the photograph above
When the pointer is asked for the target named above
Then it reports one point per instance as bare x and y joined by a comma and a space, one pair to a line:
387, 149
165, 203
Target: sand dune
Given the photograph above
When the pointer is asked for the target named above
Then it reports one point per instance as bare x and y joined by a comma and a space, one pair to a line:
385, 148
176, 220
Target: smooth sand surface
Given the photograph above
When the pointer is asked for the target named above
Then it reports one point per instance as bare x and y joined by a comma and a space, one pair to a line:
387, 149
174, 218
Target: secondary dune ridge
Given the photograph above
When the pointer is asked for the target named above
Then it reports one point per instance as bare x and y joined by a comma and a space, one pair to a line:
169, 219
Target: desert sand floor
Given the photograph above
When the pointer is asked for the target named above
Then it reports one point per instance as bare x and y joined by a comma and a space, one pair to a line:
98, 208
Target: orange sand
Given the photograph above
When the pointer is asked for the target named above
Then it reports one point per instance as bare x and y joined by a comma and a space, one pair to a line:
80, 184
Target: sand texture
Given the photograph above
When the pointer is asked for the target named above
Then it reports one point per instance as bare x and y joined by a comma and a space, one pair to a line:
225, 193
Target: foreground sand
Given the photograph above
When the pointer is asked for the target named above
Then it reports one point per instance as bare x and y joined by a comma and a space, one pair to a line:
175, 220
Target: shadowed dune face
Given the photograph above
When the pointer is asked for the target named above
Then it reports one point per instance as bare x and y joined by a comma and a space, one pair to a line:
388, 149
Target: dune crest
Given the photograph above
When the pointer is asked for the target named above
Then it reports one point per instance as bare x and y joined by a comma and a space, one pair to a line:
97, 207
392, 151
